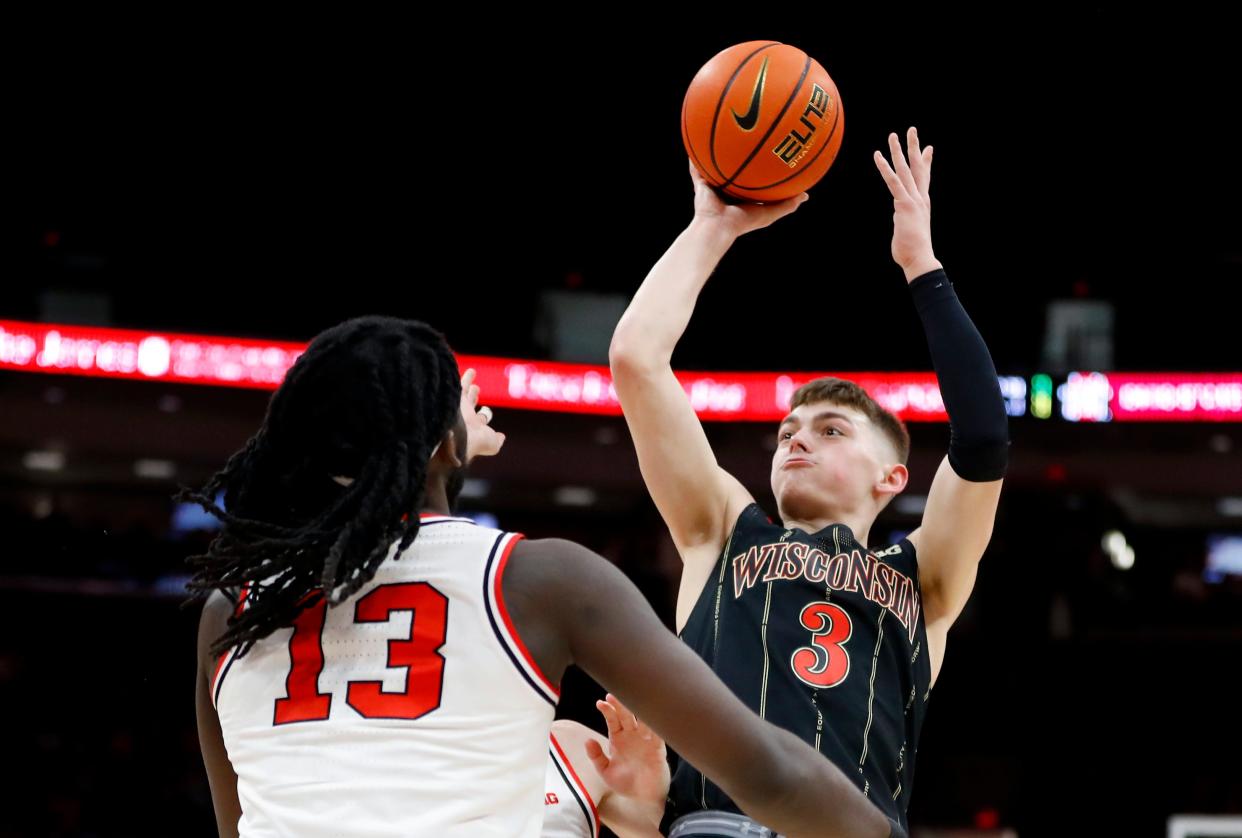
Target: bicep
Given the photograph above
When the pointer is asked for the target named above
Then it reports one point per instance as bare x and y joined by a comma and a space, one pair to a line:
693, 493
956, 528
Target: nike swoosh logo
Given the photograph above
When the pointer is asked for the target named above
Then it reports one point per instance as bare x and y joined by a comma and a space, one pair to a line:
748, 121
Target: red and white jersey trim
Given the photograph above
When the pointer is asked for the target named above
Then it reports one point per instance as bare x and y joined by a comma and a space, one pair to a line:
502, 625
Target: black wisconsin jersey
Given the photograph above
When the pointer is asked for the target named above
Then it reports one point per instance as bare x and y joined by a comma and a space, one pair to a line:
825, 638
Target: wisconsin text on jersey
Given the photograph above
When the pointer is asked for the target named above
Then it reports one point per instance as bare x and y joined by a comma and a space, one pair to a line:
855, 572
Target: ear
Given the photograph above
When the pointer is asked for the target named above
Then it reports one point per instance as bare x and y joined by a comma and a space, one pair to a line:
894, 482
445, 452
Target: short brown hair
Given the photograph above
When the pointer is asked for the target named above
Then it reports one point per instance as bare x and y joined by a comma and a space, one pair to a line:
848, 394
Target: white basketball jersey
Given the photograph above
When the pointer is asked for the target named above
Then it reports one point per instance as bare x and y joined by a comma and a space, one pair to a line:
568, 810
412, 708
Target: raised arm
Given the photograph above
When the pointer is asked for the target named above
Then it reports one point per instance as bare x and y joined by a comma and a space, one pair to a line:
961, 506
697, 499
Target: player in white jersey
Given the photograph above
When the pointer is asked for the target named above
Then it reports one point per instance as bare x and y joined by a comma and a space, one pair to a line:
620, 781
392, 670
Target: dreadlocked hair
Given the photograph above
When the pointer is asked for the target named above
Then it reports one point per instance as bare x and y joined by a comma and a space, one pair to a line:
369, 399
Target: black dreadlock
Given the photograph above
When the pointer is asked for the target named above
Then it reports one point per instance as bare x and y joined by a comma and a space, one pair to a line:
368, 400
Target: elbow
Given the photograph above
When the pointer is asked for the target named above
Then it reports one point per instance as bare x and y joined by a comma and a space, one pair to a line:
769, 777
620, 350
982, 461
627, 358
777, 798
780, 784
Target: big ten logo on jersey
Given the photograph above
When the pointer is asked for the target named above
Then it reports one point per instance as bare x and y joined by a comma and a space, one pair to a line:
794, 146
550, 799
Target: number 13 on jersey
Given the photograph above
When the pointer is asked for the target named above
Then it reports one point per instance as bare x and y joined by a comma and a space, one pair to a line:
419, 654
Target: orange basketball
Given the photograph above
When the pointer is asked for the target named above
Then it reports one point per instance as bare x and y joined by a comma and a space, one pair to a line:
762, 121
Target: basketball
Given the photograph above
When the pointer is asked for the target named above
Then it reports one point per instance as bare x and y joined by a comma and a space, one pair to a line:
762, 121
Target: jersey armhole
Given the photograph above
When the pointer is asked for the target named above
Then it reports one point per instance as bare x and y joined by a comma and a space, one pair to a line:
502, 624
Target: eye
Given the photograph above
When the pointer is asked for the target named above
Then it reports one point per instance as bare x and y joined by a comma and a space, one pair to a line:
783, 435
828, 431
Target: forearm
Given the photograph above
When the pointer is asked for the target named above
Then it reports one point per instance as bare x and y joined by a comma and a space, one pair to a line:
806, 795
979, 442
660, 311
630, 817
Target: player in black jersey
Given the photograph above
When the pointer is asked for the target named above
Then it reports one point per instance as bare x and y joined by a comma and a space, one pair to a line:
813, 624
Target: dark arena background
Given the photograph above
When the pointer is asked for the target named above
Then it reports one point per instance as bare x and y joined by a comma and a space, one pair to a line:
186, 207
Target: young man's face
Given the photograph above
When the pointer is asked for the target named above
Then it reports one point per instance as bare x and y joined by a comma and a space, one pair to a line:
830, 458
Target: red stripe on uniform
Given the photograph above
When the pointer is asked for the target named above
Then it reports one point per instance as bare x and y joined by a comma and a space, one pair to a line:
504, 615
581, 785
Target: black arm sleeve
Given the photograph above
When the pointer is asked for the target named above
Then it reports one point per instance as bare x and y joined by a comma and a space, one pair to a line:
979, 428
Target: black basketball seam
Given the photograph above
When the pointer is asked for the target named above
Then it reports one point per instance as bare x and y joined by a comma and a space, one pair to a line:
806, 68
690, 147
827, 142
711, 138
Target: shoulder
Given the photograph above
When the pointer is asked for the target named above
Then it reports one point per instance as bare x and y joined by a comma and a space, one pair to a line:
547, 560
216, 612
752, 517
555, 573
551, 549
904, 547
903, 554
213, 621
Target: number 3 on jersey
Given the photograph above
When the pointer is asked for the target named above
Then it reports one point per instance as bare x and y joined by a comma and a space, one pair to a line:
824, 663
419, 654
